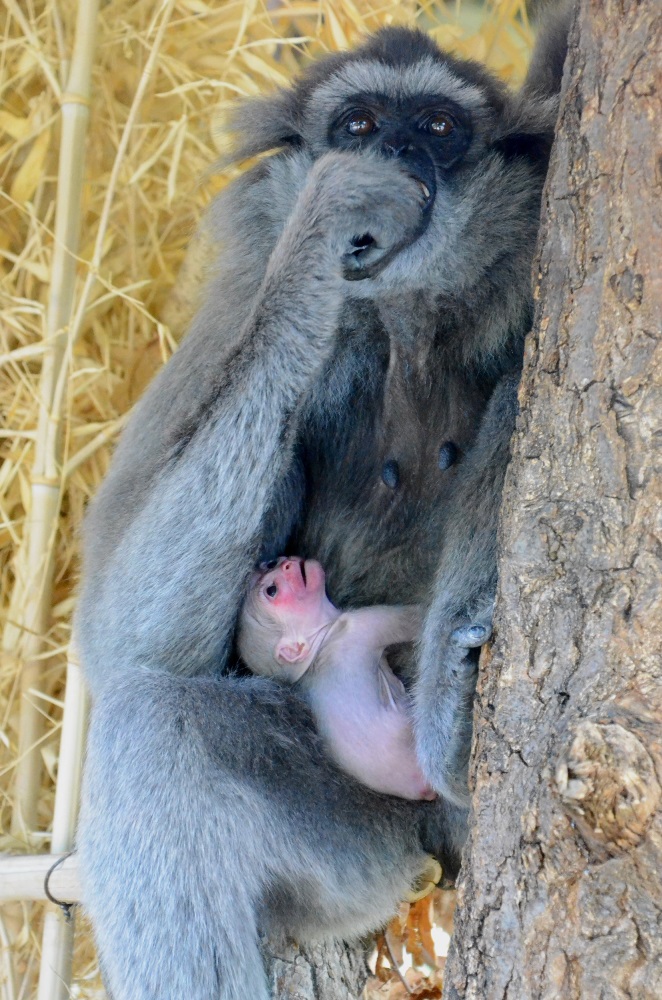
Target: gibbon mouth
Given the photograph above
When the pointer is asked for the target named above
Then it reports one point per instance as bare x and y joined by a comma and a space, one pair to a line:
366, 259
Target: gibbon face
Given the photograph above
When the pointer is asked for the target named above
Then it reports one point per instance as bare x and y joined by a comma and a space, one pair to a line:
478, 151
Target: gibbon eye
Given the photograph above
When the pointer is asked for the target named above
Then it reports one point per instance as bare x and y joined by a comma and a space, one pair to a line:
271, 590
361, 124
440, 124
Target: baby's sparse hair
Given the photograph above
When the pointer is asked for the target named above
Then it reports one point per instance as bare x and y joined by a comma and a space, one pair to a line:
257, 638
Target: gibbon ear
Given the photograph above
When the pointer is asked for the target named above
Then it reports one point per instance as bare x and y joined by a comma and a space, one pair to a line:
292, 650
260, 124
527, 127
294, 657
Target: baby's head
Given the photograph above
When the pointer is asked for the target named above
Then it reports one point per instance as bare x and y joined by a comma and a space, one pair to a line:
283, 619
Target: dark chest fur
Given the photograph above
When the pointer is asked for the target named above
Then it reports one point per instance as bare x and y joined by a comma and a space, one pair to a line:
383, 443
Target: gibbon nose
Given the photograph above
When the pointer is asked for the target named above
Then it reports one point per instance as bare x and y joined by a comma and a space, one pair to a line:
293, 570
396, 147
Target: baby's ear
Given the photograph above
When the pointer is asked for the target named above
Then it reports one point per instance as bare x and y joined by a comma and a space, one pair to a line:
292, 650
294, 657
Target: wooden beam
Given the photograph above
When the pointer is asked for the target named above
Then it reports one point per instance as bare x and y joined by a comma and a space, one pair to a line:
22, 877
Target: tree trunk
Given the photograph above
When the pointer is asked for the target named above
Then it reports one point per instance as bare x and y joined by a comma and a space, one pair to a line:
561, 896
325, 971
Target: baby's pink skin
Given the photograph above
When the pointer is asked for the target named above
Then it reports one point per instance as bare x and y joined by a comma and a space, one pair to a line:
301, 608
360, 706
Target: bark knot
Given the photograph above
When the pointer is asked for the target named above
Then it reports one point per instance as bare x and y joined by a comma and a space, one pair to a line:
607, 783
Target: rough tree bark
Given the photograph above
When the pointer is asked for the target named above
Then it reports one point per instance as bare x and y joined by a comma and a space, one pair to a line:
561, 895
315, 972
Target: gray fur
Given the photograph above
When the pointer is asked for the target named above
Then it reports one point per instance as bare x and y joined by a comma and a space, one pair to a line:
235, 422
463, 601
211, 814
176, 884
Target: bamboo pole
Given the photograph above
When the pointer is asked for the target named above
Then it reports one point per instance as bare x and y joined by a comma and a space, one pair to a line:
57, 940
46, 480
62, 330
58, 933
7, 978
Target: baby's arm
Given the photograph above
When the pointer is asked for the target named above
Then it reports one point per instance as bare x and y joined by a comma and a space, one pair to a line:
385, 625
366, 635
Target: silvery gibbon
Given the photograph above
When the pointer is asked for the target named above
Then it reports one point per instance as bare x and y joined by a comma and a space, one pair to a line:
346, 392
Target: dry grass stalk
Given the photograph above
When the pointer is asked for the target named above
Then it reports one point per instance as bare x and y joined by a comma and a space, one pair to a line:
163, 76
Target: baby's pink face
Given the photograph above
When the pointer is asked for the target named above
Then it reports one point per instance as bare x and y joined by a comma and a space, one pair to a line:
291, 589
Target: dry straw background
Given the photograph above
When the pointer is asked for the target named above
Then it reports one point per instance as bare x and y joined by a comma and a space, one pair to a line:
86, 321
